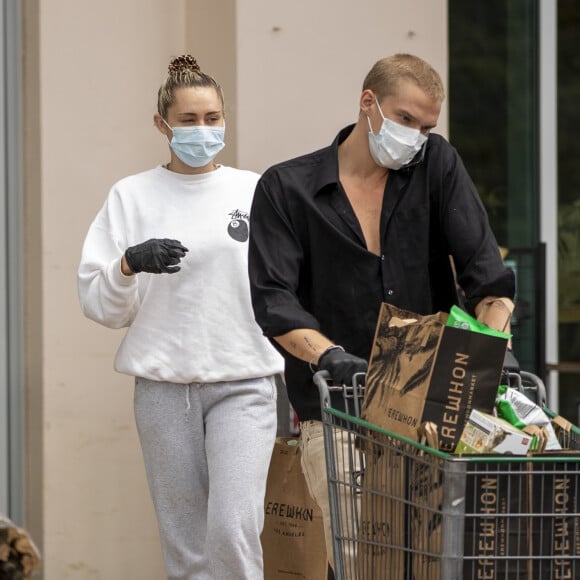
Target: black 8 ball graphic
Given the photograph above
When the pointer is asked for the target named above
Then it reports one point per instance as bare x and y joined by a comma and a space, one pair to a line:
238, 230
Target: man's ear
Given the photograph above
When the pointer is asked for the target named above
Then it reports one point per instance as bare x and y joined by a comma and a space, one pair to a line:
367, 100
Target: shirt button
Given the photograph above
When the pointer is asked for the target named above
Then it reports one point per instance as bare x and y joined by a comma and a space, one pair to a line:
383, 258
390, 292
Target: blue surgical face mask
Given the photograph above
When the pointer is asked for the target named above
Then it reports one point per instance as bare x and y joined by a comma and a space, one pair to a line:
197, 146
395, 145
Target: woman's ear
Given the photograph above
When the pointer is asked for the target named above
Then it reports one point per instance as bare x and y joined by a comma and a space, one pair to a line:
161, 126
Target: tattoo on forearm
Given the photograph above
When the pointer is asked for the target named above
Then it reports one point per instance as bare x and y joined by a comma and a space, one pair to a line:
311, 346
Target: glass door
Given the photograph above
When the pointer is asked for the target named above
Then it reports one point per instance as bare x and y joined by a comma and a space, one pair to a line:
568, 155
493, 123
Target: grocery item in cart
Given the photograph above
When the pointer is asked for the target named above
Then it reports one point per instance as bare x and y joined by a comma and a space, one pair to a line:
460, 319
485, 433
517, 408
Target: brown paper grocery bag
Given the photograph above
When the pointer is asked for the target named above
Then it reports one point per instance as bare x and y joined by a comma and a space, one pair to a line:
422, 370
293, 536
382, 526
426, 482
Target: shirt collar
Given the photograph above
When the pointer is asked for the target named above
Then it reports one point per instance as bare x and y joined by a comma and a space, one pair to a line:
328, 173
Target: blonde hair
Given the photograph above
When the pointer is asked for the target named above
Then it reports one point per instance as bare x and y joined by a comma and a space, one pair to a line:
384, 76
183, 72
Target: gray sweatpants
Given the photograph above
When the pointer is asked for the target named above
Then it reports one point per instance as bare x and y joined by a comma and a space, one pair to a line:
207, 449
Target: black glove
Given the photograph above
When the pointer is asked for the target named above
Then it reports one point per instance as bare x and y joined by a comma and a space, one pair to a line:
155, 256
341, 365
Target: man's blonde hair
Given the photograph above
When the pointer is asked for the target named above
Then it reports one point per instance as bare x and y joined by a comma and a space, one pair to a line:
384, 76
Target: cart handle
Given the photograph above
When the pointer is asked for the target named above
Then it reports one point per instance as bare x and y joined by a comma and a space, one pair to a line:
534, 382
321, 379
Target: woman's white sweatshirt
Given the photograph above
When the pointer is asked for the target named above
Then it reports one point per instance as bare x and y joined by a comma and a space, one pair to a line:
196, 325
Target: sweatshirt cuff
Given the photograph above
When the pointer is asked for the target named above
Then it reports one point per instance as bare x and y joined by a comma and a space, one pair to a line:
116, 275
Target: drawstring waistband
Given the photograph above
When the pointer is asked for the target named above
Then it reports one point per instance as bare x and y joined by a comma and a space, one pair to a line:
187, 397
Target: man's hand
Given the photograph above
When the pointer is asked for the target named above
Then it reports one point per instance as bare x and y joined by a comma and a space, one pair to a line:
155, 256
341, 365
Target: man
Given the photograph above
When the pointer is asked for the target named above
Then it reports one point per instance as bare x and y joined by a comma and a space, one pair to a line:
373, 217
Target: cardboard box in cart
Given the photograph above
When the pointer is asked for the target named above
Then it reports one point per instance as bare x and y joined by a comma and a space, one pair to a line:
488, 434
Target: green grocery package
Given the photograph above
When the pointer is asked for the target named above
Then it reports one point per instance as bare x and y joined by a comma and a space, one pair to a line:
518, 410
460, 319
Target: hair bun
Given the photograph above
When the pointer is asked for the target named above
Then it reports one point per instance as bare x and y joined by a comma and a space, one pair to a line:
183, 63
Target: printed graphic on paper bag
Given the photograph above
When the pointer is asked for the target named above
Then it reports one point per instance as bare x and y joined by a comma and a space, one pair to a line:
495, 534
403, 357
556, 529
465, 380
238, 226
425, 505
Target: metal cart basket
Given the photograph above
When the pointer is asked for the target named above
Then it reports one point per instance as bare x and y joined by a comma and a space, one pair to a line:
403, 511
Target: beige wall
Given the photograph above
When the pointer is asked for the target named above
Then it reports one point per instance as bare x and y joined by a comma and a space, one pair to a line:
99, 66
301, 65
291, 73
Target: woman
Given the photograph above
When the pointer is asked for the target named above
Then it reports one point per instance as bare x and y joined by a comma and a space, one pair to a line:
166, 257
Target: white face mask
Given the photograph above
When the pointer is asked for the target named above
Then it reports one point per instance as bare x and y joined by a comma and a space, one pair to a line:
395, 145
197, 146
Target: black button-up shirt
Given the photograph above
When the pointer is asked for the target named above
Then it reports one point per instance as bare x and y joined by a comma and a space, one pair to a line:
309, 266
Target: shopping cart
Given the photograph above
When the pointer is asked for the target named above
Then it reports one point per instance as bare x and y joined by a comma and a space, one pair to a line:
533, 387
529, 384
401, 510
